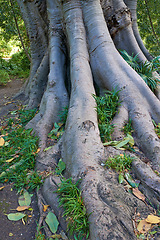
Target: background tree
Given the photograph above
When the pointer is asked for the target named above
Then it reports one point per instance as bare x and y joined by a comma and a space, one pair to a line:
148, 22
74, 50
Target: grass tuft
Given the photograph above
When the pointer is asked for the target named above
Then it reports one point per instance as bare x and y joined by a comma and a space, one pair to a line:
119, 162
75, 211
106, 109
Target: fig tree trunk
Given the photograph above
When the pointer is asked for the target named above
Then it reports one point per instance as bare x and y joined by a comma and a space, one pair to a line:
74, 49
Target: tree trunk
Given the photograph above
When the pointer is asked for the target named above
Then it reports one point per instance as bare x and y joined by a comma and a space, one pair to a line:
72, 50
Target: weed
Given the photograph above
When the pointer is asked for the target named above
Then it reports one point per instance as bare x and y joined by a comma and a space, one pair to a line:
63, 115
106, 109
75, 211
119, 162
145, 70
39, 235
127, 129
58, 128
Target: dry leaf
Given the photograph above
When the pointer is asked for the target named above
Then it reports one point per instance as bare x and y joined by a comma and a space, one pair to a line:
138, 194
38, 150
10, 160
143, 226
22, 208
2, 142
10, 234
153, 219
45, 207
2, 188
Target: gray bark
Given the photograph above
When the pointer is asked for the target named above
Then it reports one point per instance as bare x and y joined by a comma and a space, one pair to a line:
75, 36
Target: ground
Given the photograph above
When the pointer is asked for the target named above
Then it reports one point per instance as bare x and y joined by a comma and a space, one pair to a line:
10, 230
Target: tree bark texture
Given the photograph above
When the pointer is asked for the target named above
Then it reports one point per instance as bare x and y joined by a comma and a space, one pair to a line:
74, 46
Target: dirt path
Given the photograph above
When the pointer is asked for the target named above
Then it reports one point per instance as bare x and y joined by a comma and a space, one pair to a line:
10, 230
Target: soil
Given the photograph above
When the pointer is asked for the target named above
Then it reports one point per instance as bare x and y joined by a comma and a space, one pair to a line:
14, 230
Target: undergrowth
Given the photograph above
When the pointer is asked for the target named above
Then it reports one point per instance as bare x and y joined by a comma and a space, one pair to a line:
106, 109
74, 209
145, 70
17, 154
18, 65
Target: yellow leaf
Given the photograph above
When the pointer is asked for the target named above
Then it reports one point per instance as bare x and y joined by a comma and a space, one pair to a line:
45, 207
2, 188
10, 234
10, 160
23, 222
138, 194
143, 226
153, 219
38, 150
2, 142
22, 208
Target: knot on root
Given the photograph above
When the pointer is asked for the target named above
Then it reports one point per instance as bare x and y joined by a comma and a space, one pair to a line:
87, 125
119, 20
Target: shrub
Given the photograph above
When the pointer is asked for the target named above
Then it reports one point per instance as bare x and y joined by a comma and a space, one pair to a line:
4, 77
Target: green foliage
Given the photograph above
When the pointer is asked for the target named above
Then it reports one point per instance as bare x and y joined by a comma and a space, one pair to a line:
145, 70
58, 128
26, 115
127, 129
75, 211
63, 115
119, 162
106, 109
18, 65
17, 155
157, 128
9, 38
145, 26
4, 77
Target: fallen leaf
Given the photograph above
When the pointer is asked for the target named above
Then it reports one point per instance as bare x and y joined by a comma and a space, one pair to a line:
22, 208
153, 219
2, 142
2, 188
143, 226
52, 222
38, 150
138, 194
15, 216
10, 234
25, 199
121, 178
45, 207
10, 160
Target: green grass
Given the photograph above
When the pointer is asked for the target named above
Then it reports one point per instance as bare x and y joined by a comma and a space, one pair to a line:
74, 209
106, 109
119, 162
127, 129
17, 155
145, 70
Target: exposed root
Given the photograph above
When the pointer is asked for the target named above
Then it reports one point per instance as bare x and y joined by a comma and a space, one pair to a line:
119, 121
